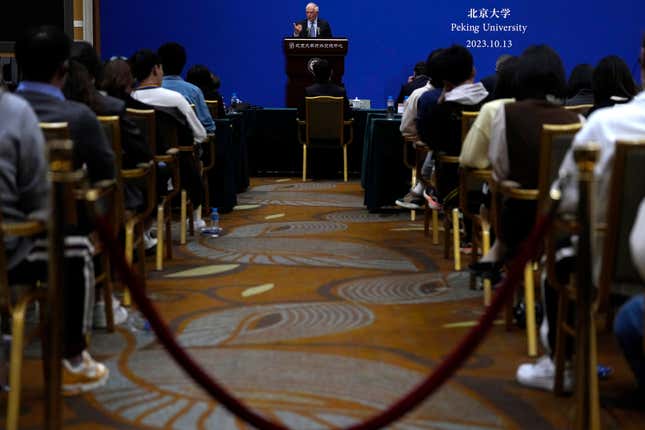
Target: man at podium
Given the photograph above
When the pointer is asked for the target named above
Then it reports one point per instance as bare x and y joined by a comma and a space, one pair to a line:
312, 27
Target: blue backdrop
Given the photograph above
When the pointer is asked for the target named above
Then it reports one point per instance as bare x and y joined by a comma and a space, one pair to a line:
241, 41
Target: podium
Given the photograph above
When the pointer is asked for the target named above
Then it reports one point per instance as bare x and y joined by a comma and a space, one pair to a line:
299, 54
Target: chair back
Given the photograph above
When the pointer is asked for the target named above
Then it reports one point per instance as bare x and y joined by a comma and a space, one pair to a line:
55, 130
626, 191
168, 133
555, 141
212, 107
467, 120
112, 129
146, 122
324, 119
580, 109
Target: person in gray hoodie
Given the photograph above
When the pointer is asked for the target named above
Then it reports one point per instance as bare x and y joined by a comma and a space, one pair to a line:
440, 125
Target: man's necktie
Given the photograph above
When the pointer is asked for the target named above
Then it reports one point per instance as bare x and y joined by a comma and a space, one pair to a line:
312, 33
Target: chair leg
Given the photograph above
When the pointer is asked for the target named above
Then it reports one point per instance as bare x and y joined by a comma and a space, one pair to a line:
529, 305
446, 236
107, 294
129, 256
168, 237
560, 343
304, 163
141, 250
191, 217
455, 238
15, 364
182, 219
160, 238
488, 293
206, 206
435, 227
426, 221
345, 162
508, 313
413, 181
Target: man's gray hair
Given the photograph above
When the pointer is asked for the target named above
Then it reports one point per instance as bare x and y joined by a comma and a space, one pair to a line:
314, 5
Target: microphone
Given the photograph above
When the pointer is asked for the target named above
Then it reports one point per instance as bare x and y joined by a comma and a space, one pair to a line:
317, 31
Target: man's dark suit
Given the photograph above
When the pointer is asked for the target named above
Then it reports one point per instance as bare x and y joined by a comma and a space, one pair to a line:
324, 29
406, 90
326, 89
90, 144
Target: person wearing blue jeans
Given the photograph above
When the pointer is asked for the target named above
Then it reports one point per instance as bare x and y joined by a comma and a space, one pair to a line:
630, 321
628, 327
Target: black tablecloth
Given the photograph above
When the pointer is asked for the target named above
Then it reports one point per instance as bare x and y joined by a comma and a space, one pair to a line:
385, 177
273, 147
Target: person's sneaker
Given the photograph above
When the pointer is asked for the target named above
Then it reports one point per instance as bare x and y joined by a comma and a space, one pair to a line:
541, 375
149, 242
100, 319
466, 248
88, 375
198, 223
411, 201
433, 202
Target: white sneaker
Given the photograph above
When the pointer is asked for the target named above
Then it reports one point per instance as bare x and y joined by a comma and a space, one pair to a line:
541, 375
198, 223
88, 375
148, 241
100, 319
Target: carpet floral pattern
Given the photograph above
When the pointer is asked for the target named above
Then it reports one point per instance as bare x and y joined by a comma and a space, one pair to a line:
317, 314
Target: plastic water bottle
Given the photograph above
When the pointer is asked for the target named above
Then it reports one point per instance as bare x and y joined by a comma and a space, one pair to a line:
401, 106
234, 102
390, 107
213, 229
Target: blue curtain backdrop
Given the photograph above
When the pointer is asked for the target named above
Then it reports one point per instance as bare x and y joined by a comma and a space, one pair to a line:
241, 41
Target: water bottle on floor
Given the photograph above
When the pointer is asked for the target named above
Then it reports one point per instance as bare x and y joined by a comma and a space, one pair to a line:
390, 107
213, 229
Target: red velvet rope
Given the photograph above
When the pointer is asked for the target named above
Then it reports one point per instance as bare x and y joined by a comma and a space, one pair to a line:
411, 400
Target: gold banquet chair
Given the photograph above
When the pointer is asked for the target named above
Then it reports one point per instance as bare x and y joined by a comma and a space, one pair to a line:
617, 272
580, 109
555, 141
132, 222
146, 120
212, 107
60, 131
324, 125
15, 299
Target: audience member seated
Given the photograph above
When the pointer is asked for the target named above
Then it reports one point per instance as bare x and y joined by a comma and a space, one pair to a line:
324, 87
628, 325
440, 126
42, 57
135, 148
515, 140
605, 127
612, 83
173, 60
417, 80
414, 198
80, 87
490, 82
148, 71
474, 152
579, 90
24, 195
205, 80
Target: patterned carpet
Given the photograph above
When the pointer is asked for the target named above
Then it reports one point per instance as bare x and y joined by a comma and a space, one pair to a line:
317, 314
